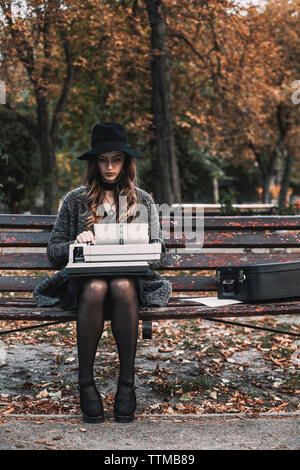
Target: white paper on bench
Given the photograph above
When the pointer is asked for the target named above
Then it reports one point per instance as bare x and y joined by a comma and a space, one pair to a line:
212, 301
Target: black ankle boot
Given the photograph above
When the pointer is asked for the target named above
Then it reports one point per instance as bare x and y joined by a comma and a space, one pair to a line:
125, 402
92, 410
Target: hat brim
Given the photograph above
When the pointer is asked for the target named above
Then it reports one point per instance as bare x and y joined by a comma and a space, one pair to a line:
90, 154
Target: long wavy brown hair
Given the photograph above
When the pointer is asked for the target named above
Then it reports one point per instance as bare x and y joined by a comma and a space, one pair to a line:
95, 192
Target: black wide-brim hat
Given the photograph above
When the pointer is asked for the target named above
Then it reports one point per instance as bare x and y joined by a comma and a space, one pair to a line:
107, 136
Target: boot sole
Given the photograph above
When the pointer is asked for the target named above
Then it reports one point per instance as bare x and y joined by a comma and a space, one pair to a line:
93, 419
124, 419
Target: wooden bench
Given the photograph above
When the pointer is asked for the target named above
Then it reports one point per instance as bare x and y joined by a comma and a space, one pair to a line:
241, 234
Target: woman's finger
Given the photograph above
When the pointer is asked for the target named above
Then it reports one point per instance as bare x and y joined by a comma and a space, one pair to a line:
89, 236
85, 237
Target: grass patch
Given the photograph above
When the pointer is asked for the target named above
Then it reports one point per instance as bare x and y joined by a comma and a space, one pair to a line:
185, 386
292, 384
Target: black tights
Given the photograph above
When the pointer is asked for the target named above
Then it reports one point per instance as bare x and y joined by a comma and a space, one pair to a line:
90, 324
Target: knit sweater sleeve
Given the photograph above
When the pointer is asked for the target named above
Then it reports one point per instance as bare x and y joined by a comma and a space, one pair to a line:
58, 246
155, 232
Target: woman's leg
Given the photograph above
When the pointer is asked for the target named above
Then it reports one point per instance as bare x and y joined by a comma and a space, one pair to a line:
90, 324
124, 323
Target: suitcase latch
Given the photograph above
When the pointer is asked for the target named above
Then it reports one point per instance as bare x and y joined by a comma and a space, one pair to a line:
242, 277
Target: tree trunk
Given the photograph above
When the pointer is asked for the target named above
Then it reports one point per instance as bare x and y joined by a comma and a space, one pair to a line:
267, 178
166, 164
285, 181
49, 171
287, 157
215, 182
267, 172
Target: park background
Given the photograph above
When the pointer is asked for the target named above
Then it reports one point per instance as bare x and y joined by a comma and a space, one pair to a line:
208, 91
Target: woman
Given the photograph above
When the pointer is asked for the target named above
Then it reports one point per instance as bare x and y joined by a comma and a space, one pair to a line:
111, 173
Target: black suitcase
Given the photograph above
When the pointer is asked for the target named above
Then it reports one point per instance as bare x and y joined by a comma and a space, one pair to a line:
259, 281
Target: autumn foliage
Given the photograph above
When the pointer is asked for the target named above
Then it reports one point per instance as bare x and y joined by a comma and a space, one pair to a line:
210, 73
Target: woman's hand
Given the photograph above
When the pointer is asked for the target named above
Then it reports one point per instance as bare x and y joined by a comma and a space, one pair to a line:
86, 237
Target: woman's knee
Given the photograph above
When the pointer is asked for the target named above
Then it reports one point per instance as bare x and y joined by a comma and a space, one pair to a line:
95, 288
123, 287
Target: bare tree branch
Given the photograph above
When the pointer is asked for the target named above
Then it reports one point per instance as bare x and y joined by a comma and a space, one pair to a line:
188, 42
26, 121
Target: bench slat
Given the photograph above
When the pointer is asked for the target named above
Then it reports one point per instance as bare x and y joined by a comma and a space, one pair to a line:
267, 222
27, 221
31, 261
214, 239
212, 222
25, 302
19, 283
24, 239
41, 239
212, 260
174, 261
162, 313
250, 239
179, 283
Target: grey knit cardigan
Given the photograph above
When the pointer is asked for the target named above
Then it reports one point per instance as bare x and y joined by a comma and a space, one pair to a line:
153, 289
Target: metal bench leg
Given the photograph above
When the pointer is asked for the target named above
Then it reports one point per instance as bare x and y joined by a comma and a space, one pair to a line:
147, 329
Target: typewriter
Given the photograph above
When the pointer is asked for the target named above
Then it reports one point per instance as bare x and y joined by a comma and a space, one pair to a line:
119, 249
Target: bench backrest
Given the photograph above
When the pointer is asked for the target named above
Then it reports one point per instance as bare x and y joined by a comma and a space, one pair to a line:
228, 240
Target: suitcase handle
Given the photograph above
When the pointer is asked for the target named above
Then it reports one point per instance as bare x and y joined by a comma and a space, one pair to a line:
229, 287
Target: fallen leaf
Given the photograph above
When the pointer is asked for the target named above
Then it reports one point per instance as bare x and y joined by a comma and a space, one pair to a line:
42, 393
179, 407
169, 410
155, 407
